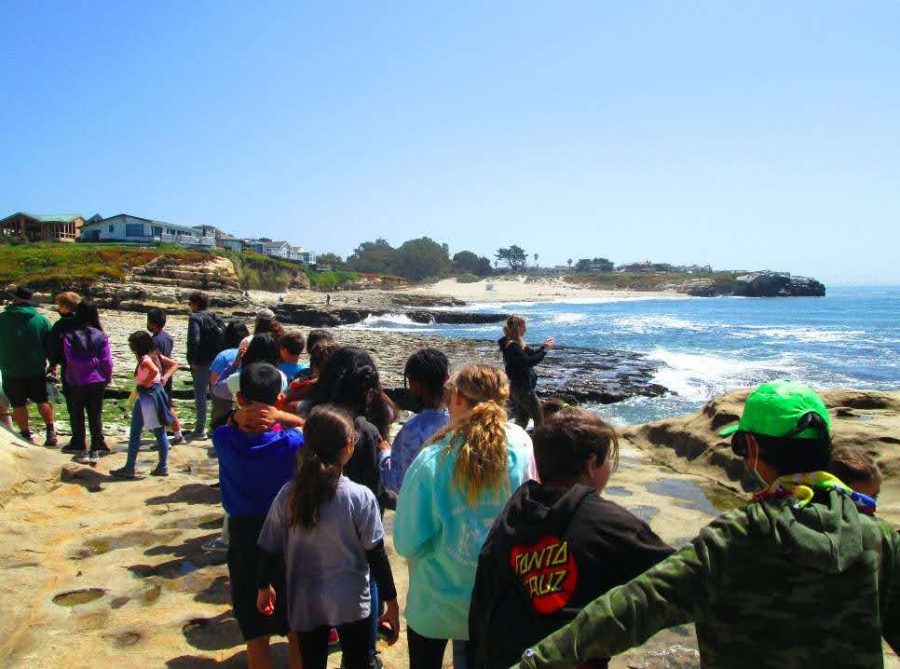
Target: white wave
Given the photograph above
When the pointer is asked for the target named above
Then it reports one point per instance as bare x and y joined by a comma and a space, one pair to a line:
507, 306
802, 334
654, 322
567, 318
698, 377
388, 322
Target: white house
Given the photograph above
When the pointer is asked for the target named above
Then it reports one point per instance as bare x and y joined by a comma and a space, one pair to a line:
128, 228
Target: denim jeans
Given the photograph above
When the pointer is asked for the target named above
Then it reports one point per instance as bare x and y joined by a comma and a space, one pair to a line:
134, 439
200, 377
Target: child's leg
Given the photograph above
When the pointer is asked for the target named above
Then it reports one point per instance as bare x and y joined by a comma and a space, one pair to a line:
356, 643
425, 652
374, 616
259, 653
162, 441
314, 647
176, 425
134, 435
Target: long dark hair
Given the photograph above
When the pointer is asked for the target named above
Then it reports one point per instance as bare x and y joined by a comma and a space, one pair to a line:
350, 379
326, 433
262, 348
87, 315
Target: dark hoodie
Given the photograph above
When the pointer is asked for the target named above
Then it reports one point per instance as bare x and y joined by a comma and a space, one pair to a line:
769, 586
519, 362
551, 552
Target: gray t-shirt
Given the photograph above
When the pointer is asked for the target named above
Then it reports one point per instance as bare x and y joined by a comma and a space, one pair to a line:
327, 572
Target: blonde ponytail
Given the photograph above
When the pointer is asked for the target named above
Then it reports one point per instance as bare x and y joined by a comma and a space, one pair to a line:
479, 439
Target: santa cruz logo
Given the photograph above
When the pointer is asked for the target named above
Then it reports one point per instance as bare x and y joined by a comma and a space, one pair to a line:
548, 572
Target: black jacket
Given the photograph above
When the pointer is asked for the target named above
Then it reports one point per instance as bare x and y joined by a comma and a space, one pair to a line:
550, 552
362, 467
201, 350
519, 362
60, 328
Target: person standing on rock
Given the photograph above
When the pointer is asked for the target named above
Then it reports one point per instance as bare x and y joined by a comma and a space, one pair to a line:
204, 342
156, 326
24, 339
88, 370
557, 545
451, 494
66, 303
804, 575
520, 360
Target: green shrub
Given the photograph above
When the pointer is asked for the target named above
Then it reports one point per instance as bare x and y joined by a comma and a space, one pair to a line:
468, 277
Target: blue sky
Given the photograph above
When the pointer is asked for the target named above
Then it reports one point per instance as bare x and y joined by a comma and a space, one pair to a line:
741, 134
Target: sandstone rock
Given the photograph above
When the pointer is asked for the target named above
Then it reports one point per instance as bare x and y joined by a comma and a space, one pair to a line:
867, 419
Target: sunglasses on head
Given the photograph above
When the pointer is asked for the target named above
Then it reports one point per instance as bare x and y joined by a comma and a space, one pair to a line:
810, 420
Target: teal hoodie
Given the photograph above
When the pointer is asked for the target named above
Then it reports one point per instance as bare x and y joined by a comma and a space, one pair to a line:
768, 586
23, 342
441, 535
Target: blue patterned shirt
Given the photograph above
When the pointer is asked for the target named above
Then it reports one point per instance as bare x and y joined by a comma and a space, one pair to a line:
408, 443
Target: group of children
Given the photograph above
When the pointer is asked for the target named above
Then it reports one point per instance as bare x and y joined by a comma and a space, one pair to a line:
513, 554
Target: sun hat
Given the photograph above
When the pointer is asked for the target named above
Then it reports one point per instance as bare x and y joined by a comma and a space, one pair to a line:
24, 295
265, 315
780, 409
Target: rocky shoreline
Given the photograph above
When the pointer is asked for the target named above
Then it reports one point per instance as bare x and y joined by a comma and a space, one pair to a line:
577, 375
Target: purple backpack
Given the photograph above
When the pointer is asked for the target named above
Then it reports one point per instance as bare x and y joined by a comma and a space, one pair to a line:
88, 358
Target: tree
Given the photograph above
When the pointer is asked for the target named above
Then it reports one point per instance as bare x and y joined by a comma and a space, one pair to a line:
467, 262
422, 258
330, 259
595, 265
514, 256
377, 257
536, 256
570, 263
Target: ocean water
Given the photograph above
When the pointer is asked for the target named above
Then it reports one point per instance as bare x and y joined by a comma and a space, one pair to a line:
705, 346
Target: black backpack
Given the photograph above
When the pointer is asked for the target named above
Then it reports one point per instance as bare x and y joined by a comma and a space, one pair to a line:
212, 335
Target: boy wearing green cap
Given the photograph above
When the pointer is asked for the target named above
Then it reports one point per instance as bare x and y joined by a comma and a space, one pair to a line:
803, 575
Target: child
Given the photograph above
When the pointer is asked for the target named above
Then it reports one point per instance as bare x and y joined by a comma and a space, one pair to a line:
451, 494
156, 323
798, 577
151, 406
253, 467
329, 532
857, 469
306, 379
292, 345
314, 337
427, 370
222, 399
557, 545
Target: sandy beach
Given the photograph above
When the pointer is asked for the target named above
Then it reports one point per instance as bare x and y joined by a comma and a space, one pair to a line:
529, 289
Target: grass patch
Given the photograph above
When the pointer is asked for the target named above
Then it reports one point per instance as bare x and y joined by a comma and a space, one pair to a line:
48, 265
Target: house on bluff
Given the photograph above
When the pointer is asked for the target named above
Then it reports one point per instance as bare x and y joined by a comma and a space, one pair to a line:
26, 227
134, 229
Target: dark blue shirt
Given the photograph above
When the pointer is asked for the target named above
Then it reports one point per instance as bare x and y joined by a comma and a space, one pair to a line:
164, 344
254, 467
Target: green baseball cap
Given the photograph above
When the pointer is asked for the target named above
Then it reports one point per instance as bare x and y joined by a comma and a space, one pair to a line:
775, 409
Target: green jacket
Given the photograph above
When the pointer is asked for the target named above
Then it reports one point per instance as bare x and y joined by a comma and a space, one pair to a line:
768, 586
23, 342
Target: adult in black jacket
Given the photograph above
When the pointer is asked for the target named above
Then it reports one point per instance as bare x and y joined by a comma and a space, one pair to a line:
204, 341
557, 545
519, 361
66, 303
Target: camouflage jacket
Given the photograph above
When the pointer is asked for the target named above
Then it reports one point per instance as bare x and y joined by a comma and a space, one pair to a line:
767, 585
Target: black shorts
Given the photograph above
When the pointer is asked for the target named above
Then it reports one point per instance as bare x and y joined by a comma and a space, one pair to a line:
19, 391
243, 563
